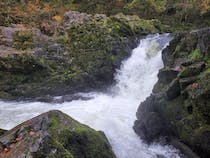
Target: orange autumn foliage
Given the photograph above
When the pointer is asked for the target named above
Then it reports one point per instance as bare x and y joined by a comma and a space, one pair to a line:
57, 18
32, 10
205, 6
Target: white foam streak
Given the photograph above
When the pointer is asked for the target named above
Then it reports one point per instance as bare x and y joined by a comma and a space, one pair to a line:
112, 113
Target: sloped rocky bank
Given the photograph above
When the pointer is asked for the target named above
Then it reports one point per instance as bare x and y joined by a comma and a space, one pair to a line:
79, 54
179, 106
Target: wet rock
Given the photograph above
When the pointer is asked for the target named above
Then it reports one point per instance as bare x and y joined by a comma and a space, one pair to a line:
54, 134
183, 90
2, 131
185, 150
203, 40
192, 70
173, 89
167, 75
149, 127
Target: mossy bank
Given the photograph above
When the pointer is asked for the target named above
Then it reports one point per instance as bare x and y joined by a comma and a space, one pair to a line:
79, 54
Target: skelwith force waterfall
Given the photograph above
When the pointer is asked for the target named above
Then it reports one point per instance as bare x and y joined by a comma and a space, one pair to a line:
104, 79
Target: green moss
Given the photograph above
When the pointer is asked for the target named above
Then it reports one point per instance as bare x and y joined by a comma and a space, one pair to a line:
189, 71
186, 132
55, 120
63, 39
42, 61
93, 143
50, 146
148, 26
174, 110
5, 95
77, 139
196, 54
201, 130
146, 9
23, 40
178, 48
89, 55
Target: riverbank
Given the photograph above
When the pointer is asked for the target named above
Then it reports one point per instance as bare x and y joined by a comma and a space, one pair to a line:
51, 50
179, 104
82, 54
112, 112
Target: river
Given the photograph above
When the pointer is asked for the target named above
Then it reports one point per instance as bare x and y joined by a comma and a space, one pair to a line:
112, 112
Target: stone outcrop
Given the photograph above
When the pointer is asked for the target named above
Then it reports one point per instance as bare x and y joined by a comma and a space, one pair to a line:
79, 54
54, 134
179, 106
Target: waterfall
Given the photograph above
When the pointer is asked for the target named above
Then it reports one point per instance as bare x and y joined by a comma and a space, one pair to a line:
113, 112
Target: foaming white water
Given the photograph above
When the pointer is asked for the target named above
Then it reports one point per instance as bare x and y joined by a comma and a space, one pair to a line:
113, 113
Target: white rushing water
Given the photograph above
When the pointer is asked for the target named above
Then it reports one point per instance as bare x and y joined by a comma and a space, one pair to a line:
113, 113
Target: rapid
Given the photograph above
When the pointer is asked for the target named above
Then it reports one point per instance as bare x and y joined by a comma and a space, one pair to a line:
113, 112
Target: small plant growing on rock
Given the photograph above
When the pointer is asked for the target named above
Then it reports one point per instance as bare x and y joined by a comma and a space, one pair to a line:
23, 40
196, 54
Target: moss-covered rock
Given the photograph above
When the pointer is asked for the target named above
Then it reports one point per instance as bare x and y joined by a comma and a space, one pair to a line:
181, 96
82, 53
23, 40
54, 135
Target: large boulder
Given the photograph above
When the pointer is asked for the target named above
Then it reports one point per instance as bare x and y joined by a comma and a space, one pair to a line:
180, 103
54, 134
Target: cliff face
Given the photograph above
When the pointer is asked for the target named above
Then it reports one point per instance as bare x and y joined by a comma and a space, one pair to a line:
180, 103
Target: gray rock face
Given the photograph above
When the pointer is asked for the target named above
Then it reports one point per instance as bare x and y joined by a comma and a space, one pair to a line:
74, 17
7, 34
54, 134
180, 104
150, 125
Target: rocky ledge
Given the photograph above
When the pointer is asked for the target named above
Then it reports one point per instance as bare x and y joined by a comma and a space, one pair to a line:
54, 135
79, 52
179, 106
